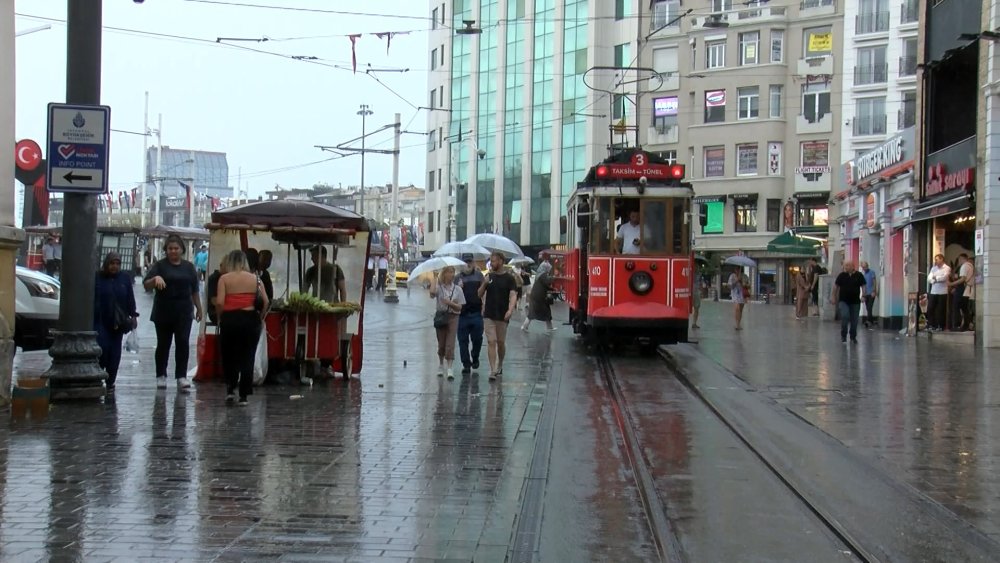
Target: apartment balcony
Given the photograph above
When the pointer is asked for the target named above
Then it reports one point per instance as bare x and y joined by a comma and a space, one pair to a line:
757, 13
817, 7
907, 115
869, 125
875, 22
822, 125
907, 66
871, 74
813, 179
662, 135
909, 12
812, 66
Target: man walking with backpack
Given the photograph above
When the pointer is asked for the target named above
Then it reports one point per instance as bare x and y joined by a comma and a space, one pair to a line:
470, 321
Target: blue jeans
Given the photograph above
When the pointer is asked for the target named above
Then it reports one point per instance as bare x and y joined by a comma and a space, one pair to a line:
849, 313
470, 327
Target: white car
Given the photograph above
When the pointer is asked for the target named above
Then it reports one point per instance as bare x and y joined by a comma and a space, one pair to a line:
36, 306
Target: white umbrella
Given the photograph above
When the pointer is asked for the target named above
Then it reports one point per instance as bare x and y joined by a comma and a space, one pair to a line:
458, 248
740, 261
435, 264
521, 261
497, 243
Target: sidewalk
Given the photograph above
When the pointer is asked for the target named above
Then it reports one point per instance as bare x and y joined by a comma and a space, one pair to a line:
927, 409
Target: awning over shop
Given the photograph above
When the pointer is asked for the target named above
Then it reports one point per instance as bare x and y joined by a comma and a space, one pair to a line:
940, 207
791, 243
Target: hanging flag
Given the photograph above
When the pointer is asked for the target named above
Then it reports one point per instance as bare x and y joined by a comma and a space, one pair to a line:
388, 35
215, 203
133, 196
187, 194
354, 55
108, 196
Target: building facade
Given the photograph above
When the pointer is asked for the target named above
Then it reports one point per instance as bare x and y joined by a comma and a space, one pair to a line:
204, 173
513, 125
751, 102
873, 195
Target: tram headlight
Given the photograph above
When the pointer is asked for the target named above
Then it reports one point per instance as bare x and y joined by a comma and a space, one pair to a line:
640, 283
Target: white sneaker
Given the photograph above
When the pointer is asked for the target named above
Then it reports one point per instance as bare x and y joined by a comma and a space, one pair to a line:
183, 383
161, 382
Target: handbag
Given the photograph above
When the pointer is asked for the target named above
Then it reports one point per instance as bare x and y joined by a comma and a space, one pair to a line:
121, 320
442, 318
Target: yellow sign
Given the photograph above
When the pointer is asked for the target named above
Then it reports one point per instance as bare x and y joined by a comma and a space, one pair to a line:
621, 126
820, 42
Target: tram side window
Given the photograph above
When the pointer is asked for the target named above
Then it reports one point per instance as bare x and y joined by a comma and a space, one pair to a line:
603, 233
680, 235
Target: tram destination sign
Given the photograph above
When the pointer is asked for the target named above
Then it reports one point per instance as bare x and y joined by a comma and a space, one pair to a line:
640, 167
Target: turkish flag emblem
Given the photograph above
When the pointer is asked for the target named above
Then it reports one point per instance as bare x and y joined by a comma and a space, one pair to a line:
27, 155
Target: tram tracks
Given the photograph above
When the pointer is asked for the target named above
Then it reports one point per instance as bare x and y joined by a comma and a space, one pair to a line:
666, 533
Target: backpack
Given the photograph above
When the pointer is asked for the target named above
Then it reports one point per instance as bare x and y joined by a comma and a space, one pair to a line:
820, 270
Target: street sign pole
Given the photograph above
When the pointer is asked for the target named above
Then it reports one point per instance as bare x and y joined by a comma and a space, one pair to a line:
75, 373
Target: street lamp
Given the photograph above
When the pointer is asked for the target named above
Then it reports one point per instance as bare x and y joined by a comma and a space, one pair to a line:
455, 181
364, 112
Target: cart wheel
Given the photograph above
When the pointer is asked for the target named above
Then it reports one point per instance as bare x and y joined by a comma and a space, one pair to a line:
346, 359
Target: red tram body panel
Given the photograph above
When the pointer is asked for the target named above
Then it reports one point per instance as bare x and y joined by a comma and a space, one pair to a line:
637, 289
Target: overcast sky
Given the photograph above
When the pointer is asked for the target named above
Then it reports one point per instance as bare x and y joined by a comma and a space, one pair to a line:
264, 111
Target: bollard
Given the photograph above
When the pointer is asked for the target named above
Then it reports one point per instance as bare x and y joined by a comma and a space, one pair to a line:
30, 396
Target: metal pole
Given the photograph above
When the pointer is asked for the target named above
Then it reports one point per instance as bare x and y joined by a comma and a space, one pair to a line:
191, 191
145, 163
158, 213
390, 294
75, 373
364, 112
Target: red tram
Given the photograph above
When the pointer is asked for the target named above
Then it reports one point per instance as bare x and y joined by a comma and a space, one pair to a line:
628, 271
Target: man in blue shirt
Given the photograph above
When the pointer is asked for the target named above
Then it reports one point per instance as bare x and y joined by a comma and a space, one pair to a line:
871, 291
470, 322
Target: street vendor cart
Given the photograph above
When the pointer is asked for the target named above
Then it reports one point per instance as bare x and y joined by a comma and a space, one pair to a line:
309, 242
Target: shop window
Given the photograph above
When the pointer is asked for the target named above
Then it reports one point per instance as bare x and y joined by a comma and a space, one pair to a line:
746, 159
749, 48
773, 215
716, 220
715, 106
748, 100
715, 162
813, 213
745, 212
715, 54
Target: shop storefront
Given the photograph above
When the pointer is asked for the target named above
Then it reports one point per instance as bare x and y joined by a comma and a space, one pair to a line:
873, 212
944, 220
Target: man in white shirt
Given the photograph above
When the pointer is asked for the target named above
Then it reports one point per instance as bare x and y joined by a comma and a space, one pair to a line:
383, 271
938, 295
962, 291
628, 237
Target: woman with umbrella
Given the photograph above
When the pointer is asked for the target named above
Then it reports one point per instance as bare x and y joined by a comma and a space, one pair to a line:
449, 300
539, 308
739, 286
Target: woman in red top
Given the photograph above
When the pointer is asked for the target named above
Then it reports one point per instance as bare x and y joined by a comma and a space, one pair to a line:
240, 300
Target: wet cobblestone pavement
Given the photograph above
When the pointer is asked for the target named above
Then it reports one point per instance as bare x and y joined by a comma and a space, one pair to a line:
401, 465
928, 410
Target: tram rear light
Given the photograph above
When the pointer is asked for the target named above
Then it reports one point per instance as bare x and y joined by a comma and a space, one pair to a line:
602, 172
676, 171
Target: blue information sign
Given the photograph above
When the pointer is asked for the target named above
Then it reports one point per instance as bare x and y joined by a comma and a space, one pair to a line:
78, 148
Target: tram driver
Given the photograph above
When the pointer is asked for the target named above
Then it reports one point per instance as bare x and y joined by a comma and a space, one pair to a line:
629, 235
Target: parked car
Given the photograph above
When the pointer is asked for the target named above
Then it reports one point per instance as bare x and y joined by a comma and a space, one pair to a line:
36, 307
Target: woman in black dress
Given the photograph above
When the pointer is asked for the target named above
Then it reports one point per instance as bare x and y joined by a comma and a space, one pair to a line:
176, 283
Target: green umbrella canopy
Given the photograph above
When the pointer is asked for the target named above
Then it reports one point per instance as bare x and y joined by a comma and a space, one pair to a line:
791, 243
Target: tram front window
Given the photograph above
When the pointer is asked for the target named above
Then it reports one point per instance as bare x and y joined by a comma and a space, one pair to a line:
649, 227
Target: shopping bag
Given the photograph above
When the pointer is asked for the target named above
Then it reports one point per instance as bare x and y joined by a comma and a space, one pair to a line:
132, 343
260, 359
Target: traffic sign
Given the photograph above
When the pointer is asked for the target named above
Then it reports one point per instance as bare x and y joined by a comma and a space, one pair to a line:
78, 148
27, 155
